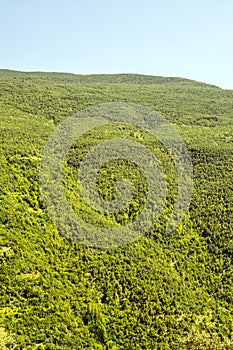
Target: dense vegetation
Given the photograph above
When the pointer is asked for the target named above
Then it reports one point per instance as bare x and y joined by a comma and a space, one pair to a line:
161, 291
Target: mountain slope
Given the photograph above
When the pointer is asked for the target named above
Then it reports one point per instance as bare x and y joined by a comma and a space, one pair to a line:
160, 292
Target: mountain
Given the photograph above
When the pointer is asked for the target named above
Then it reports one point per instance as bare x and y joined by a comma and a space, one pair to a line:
161, 291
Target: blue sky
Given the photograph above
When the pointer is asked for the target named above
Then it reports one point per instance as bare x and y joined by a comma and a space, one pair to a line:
192, 39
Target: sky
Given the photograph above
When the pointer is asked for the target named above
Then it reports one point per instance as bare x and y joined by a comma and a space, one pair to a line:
182, 38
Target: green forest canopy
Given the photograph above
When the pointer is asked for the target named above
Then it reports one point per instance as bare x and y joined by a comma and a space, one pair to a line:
159, 292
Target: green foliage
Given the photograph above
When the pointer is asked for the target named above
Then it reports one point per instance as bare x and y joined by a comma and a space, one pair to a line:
6, 340
160, 292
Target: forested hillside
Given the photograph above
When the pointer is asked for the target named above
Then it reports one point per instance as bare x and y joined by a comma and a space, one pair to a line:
163, 291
